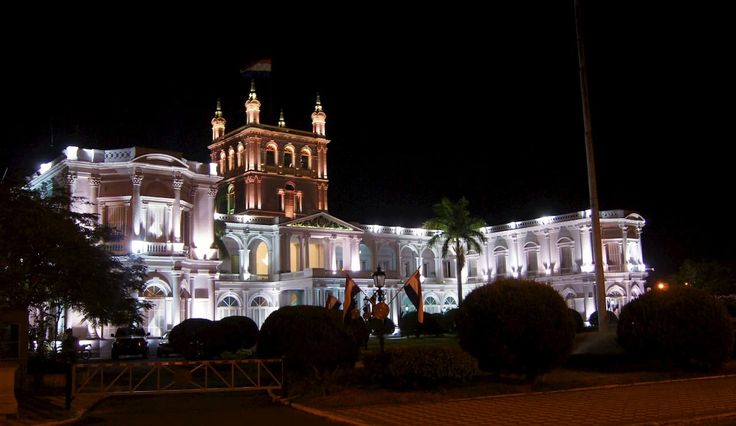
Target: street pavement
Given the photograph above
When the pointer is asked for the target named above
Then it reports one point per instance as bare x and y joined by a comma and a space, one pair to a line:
703, 400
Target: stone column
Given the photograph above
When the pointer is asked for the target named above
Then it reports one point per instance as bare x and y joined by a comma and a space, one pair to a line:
175, 276
94, 192
210, 224
137, 179
176, 211
639, 251
624, 247
211, 292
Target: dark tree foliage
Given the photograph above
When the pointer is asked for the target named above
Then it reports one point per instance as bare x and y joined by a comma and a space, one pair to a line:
578, 320
52, 258
683, 325
712, 276
516, 326
612, 319
197, 338
310, 337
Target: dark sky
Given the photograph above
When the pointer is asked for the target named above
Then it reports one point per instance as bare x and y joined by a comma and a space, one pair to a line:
420, 104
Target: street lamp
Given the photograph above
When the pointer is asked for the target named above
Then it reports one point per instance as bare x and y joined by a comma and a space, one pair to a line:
380, 309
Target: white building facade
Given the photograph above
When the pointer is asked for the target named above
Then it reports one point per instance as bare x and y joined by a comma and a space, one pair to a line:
250, 232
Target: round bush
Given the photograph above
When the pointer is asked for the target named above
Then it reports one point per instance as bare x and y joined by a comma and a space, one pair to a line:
240, 332
578, 320
612, 319
516, 326
197, 338
683, 325
385, 326
309, 337
409, 325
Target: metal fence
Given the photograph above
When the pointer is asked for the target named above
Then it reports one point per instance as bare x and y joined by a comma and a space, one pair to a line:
177, 376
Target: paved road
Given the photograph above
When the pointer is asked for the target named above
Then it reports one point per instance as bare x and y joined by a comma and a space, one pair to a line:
244, 408
648, 403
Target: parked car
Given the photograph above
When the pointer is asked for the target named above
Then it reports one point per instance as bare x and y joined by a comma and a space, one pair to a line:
165, 348
129, 341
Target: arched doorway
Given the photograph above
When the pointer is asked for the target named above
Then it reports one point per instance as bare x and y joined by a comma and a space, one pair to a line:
159, 318
259, 309
228, 306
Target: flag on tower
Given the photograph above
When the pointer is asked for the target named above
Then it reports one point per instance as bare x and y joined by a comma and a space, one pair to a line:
351, 290
259, 68
413, 288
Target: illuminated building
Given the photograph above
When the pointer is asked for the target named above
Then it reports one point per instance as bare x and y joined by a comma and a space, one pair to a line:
265, 196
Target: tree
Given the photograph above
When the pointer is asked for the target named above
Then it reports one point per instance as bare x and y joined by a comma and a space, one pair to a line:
712, 276
459, 231
51, 260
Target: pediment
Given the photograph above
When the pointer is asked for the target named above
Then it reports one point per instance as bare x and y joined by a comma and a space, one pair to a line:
159, 159
323, 221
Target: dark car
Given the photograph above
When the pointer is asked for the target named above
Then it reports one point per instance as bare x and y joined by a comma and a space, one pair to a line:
165, 349
129, 341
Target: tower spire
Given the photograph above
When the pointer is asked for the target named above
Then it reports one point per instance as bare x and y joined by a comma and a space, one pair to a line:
282, 122
318, 118
252, 106
218, 122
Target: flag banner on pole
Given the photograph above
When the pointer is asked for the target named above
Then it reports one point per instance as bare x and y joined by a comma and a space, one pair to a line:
413, 289
351, 290
332, 302
259, 68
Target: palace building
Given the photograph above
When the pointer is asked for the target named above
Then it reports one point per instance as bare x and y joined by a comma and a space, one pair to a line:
251, 232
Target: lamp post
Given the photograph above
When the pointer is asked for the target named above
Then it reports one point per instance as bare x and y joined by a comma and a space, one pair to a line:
380, 309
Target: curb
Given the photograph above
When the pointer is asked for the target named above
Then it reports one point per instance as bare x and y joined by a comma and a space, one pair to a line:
314, 411
692, 420
77, 417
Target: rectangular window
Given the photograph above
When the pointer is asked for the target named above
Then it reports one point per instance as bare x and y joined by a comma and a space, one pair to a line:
305, 162
566, 260
531, 262
473, 268
501, 264
288, 159
270, 158
425, 269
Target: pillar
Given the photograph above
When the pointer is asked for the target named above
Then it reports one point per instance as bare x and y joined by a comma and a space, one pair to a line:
137, 179
211, 292
176, 209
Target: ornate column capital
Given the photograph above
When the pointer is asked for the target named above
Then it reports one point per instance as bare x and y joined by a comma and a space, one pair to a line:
95, 180
212, 191
137, 178
71, 178
177, 182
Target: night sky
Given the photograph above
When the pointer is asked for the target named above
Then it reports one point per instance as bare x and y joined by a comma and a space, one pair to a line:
420, 104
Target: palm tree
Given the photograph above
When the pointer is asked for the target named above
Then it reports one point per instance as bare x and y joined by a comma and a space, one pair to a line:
459, 231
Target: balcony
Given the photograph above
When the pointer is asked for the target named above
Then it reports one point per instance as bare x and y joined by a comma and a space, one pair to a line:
122, 248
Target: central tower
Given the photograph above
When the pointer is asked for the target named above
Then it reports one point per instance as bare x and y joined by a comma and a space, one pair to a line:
270, 170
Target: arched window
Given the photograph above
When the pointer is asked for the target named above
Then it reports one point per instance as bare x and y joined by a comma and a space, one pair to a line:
271, 154
366, 257
289, 156
231, 159
259, 302
154, 291
306, 159
241, 155
260, 308
431, 305
223, 156
231, 199
227, 306
450, 303
428, 264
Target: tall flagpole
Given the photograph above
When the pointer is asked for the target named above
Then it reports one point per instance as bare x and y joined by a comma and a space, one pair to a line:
592, 185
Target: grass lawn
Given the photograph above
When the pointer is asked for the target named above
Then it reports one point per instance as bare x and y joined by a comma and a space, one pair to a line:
597, 361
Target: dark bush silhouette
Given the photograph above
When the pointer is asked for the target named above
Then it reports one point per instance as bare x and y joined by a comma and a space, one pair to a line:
683, 325
516, 326
385, 326
612, 319
311, 337
197, 338
578, 320
357, 328
409, 325
239, 332
448, 321
420, 367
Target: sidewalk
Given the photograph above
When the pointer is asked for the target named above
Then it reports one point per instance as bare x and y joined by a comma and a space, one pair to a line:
709, 400
49, 409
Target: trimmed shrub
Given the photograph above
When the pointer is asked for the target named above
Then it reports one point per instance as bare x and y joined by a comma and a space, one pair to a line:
683, 325
197, 338
612, 319
409, 325
385, 326
420, 367
239, 332
310, 337
516, 326
433, 325
357, 328
448, 321
578, 320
